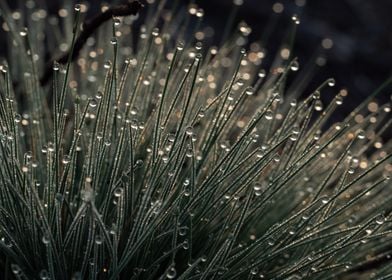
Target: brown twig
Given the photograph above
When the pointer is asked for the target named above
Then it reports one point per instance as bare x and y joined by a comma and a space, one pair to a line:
131, 8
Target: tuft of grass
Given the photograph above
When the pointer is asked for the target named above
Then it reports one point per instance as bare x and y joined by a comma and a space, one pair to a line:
153, 158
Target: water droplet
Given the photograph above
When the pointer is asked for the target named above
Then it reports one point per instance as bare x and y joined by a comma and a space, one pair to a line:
331, 82
200, 13
361, 134
180, 46
98, 239
15, 269
118, 192
249, 91
199, 46
28, 155
66, 159
155, 32
77, 7
99, 95
56, 66
316, 94
318, 105
44, 274
380, 219
99, 135
17, 118
293, 103
269, 115
185, 245
107, 64
4, 69
198, 57
339, 100
113, 41
189, 131
171, 273
23, 32
254, 271
189, 153
294, 66
45, 239
261, 73
50, 147
257, 186
116, 21
182, 231
295, 18
324, 200
44, 149
139, 163
93, 103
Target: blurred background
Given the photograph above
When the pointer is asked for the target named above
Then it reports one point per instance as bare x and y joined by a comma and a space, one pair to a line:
350, 40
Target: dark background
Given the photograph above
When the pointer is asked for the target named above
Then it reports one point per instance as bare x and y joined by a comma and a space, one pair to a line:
361, 30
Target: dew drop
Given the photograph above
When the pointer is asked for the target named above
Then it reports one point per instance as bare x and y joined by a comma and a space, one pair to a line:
189, 131
331, 82
17, 118
77, 7
318, 105
118, 192
294, 66
339, 100
107, 64
15, 269
28, 155
249, 91
185, 245
293, 103
171, 273
324, 200
270, 242
66, 159
99, 95
269, 115
93, 103
98, 239
180, 46
43, 274
44, 149
261, 73
189, 153
113, 41
155, 32
295, 18
56, 66
380, 219
45, 239
50, 147
257, 186
116, 21
23, 32
182, 231
361, 134
316, 94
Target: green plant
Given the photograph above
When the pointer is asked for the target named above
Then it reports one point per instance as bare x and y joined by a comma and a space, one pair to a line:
158, 162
